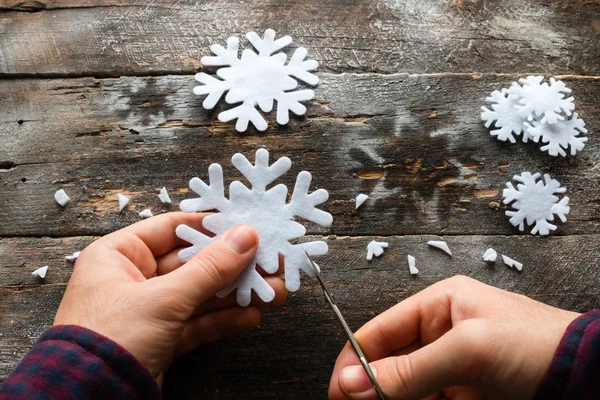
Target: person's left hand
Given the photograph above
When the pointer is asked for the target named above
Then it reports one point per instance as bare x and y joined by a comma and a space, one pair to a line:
130, 287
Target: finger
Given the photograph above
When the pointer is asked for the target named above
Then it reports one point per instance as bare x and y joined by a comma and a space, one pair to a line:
170, 261
407, 350
211, 270
140, 243
158, 233
424, 317
125, 256
348, 358
446, 362
387, 333
216, 303
217, 325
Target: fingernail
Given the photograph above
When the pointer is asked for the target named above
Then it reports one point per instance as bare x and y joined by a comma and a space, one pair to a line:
241, 239
355, 380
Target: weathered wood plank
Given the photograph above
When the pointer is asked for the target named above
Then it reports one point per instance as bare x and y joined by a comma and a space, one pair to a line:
414, 143
298, 342
129, 37
19, 257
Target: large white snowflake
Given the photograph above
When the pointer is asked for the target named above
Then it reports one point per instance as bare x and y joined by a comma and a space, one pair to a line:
268, 211
559, 136
541, 101
535, 202
257, 78
504, 115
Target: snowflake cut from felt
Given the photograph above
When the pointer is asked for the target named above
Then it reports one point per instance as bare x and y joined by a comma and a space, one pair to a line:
505, 116
541, 101
535, 202
257, 79
560, 136
267, 211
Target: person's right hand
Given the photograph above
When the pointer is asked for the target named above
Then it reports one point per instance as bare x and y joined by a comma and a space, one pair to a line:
458, 338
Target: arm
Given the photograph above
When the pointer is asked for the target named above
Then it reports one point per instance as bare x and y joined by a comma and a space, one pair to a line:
458, 338
71, 362
134, 303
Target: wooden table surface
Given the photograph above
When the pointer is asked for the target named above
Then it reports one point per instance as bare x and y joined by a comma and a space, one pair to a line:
96, 98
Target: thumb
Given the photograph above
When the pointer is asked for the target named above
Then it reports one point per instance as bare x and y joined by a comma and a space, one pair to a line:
214, 267
439, 365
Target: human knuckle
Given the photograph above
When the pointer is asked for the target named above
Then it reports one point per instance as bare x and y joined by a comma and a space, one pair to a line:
402, 374
461, 281
212, 265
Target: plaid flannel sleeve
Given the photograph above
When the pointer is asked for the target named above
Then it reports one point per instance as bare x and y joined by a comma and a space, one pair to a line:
575, 369
71, 362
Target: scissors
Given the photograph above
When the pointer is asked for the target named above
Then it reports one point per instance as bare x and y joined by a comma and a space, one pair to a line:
342, 321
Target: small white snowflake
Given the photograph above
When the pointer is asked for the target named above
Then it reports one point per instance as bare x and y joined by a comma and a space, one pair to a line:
535, 202
559, 136
257, 79
541, 101
266, 211
504, 115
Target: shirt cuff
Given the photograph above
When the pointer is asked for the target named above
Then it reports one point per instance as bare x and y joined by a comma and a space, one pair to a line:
71, 362
575, 369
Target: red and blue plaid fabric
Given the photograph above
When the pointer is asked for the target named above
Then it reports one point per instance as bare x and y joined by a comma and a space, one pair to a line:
575, 369
71, 362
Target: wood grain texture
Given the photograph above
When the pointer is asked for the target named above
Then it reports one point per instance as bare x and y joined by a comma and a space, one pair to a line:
562, 271
396, 116
414, 143
113, 38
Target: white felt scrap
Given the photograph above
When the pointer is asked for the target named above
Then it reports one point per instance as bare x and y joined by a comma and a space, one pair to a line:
61, 197
258, 78
512, 263
375, 249
146, 213
164, 196
41, 272
267, 211
411, 265
73, 257
490, 255
360, 199
440, 244
123, 201
535, 202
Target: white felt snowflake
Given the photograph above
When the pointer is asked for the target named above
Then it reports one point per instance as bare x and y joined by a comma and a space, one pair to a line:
560, 136
257, 78
541, 101
535, 202
268, 211
504, 115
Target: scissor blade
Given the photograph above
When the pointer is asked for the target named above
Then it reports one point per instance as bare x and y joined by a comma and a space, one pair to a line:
347, 330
